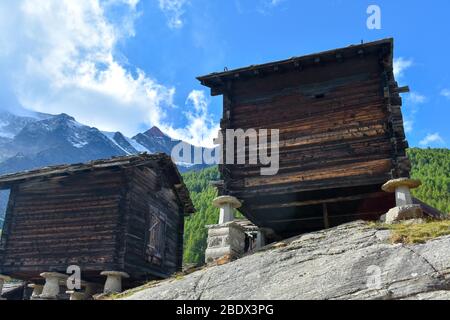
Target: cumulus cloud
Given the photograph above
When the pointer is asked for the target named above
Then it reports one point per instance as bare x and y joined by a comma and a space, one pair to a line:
445, 93
61, 59
274, 3
408, 125
59, 56
400, 65
201, 128
412, 107
174, 10
432, 139
266, 7
416, 98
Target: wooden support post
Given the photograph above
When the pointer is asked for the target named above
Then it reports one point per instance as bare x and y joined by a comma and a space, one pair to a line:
326, 222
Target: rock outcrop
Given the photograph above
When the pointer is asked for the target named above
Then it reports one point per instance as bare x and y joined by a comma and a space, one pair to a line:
352, 261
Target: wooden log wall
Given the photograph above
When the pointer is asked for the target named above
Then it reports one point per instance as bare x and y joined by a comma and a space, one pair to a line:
340, 126
151, 194
61, 221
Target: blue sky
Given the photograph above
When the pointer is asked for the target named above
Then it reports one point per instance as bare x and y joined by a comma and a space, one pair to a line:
129, 64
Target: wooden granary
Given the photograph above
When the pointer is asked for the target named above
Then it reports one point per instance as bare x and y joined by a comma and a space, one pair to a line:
341, 136
124, 214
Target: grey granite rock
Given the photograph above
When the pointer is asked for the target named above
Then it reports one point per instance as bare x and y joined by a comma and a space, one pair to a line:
406, 212
352, 261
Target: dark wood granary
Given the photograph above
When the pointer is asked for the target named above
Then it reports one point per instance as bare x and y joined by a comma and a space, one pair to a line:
124, 214
341, 136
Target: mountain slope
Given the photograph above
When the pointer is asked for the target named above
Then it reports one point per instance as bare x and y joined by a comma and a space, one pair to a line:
36, 140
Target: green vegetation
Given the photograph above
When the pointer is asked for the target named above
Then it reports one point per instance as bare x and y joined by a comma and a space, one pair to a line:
202, 195
432, 167
416, 232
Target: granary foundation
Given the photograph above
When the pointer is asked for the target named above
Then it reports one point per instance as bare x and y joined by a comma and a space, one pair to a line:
76, 295
225, 240
37, 290
3, 279
113, 282
52, 285
405, 209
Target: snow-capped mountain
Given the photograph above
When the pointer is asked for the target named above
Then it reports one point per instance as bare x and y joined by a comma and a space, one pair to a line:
38, 140
10, 125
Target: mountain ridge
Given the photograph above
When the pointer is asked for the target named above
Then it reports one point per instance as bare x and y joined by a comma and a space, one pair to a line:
37, 140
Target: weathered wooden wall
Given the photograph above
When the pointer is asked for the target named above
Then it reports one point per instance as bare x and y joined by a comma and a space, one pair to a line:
96, 219
149, 194
61, 221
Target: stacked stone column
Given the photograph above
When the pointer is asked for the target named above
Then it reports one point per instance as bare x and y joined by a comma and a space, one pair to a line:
226, 240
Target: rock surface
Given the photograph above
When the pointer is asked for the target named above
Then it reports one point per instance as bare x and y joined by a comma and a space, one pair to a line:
352, 261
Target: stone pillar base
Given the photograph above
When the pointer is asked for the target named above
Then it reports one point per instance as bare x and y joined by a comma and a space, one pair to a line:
224, 240
113, 282
406, 212
37, 290
76, 295
51, 288
3, 279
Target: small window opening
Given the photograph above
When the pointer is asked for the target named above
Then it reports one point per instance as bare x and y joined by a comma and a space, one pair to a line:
319, 95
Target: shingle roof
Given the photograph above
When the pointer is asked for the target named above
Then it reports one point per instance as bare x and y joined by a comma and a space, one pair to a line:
143, 159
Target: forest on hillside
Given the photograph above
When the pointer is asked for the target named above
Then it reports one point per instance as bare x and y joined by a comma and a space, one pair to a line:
431, 166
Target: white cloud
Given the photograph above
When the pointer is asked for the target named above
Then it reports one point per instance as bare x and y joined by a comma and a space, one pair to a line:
174, 10
408, 125
445, 93
416, 98
433, 139
400, 65
274, 3
201, 128
58, 56
265, 7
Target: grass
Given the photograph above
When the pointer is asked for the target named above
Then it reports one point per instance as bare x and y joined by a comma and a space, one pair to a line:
417, 232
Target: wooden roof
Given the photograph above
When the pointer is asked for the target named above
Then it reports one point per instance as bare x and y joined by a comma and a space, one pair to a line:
161, 160
216, 80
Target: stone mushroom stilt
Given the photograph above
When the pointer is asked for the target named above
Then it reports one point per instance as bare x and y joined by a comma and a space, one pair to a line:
76, 295
405, 209
37, 290
113, 282
52, 285
3, 279
401, 187
227, 205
